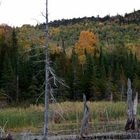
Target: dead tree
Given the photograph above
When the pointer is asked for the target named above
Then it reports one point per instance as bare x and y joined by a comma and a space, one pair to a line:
85, 124
132, 109
46, 80
135, 109
130, 122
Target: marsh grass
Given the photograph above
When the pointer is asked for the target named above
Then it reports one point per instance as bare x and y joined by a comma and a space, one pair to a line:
19, 118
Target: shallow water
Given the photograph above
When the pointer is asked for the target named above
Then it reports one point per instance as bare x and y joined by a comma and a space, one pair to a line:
96, 136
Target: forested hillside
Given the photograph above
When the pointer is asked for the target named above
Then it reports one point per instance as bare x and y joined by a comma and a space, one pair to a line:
92, 55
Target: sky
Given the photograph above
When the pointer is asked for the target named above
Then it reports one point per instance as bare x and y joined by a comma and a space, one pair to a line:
19, 12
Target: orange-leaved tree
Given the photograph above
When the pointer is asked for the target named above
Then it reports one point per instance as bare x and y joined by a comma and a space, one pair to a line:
86, 43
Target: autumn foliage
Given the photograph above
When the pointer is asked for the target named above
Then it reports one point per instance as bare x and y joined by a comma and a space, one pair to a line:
86, 43
97, 66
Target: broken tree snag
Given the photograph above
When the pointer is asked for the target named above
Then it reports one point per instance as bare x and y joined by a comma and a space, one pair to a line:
130, 124
129, 101
135, 109
85, 125
135, 104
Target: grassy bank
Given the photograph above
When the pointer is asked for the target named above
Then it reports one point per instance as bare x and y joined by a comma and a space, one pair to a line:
19, 119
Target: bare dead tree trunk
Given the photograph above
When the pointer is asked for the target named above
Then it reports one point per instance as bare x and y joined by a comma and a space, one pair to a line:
135, 104
135, 109
129, 101
111, 97
46, 81
84, 126
132, 109
129, 122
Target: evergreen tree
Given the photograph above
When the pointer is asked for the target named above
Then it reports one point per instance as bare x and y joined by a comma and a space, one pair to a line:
8, 78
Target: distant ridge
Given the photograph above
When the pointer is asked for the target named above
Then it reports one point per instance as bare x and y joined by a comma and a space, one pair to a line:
133, 17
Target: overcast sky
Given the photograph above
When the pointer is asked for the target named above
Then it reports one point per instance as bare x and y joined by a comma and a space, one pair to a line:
19, 12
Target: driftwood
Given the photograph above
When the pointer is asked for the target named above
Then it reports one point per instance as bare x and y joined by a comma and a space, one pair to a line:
132, 109
84, 126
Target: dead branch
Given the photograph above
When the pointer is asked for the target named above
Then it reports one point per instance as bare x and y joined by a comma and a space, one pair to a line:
57, 79
2, 129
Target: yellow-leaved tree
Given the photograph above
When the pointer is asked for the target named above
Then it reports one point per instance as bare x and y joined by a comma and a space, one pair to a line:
86, 42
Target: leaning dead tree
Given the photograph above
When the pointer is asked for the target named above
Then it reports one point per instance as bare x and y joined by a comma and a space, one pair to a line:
132, 109
85, 123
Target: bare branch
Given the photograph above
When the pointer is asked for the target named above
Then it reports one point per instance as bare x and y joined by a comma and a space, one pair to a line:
38, 22
39, 97
61, 110
43, 15
60, 81
2, 129
40, 71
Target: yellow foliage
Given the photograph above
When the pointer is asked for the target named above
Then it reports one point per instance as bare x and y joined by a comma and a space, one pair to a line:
87, 41
54, 31
69, 52
27, 46
5, 31
135, 49
82, 59
54, 49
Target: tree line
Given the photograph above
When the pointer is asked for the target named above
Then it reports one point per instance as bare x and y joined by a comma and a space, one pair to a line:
92, 58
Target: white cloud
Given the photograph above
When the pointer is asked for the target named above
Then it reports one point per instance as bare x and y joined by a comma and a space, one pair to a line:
18, 12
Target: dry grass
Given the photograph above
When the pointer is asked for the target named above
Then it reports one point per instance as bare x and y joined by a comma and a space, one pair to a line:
19, 119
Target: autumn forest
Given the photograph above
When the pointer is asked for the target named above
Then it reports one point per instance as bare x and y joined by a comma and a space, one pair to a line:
89, 55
